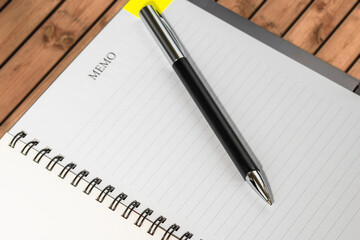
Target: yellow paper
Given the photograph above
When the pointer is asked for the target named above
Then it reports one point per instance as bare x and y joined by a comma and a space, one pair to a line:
134, 6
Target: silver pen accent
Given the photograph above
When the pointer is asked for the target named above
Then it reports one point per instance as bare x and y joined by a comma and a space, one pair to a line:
259, 185
162, 33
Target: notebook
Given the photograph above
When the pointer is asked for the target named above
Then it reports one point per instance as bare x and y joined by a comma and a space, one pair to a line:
119, 122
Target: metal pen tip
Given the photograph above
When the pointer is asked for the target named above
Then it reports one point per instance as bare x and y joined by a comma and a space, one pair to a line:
259, 185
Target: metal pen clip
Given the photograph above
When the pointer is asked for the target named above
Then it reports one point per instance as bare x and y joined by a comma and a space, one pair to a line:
171, 32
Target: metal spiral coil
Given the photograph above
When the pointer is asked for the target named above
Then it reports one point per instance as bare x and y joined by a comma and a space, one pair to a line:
117, 200
16, 138
91, 185
186, 236
78, 177
66, 170
170, 231
55, 160
29, 146
134, 204
147, 212
156, 224
108, 189
41, 154
104, 192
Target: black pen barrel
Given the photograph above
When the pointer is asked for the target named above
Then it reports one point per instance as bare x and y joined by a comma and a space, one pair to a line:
214, 116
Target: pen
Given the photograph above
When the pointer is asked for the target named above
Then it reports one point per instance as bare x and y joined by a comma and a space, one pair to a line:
236, 149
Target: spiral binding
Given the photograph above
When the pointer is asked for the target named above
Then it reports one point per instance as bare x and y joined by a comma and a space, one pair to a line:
16, 138
117, 200
28, 146
147, 212
134, 204
66, 170
55, 160
156, 224
170, 231
78, 177
108, 189
41, 153
186, 236
93, 183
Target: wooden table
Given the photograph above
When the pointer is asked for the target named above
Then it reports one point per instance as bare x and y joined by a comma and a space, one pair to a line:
39, 38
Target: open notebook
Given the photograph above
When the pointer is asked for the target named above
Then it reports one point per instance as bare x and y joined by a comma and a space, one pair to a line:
136, 128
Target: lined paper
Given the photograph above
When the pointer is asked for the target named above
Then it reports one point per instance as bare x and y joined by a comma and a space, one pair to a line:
138, 129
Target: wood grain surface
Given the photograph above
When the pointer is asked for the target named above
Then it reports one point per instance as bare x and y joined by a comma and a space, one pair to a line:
278, 15
339, 51
21, 17
41, 52
3, 3
39, 38
46, 82
318, 22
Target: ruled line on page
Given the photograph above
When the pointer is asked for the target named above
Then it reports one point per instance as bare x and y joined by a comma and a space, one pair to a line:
108, 101
114, 95
210, 75
346, 207
202, 215
239, 204
149, 180
191, 178
288, 125
124, 176
116, 106
293, 152
235, 209
132, 167
311, 181
266, 86
150, 82
308, 168
182, 189
355, 213
308, 150
179, 192
267, 167
346, 189
327, 196
207, 192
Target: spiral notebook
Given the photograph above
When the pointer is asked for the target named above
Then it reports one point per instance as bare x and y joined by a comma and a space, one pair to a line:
116, 145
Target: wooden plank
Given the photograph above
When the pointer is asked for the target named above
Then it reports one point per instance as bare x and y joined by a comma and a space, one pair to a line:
21, 17
34, 95
355, 70
42, 51
317, 23
3, 3
342, 49
277, 15
244, 8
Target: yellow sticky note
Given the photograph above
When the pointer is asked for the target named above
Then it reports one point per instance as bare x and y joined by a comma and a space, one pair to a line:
134, 6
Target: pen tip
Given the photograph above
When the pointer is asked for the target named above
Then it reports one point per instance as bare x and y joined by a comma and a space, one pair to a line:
256, 181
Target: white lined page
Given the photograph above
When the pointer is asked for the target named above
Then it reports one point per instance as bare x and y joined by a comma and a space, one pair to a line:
141, 132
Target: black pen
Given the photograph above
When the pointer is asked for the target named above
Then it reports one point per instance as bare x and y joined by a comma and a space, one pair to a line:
172, 48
